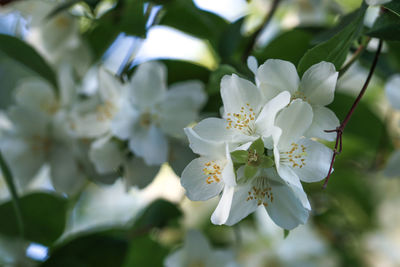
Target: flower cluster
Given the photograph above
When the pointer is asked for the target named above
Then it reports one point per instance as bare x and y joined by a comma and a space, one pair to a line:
122, 127
264, 145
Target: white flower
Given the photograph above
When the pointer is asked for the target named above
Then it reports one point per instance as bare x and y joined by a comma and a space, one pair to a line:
392, 90
296, 157
151, 112
39, 135
316, 87
377, 2
92, 118
107, 157
245, 117
197, 251
205, 177
286, 204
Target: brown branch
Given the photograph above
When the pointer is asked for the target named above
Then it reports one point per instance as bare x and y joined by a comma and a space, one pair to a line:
339, 130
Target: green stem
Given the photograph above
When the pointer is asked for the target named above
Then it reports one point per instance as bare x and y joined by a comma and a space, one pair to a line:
13, 191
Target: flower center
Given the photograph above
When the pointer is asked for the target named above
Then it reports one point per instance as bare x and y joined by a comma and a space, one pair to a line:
213, 172
145, 119
106, 111
40, 143
295, 157
261, 191
298, 95
243, 121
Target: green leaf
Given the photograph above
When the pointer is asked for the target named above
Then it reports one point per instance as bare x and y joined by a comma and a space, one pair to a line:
214, 84
250, 171
386, 26
239, 156
258, 146
285, 233
44, 216
143, 251
393, 6
185, 16
27, 56
159, 214
230, 40
335, 49
127, 17
267, 162
89, 250
290, 46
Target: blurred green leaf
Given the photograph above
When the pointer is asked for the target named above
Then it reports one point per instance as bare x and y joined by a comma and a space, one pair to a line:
393, 6
214, 83
335, 49
179, 70
185, 16
290, 46
90, 250
143, 251
44, 217
27, 56
158, 214
386, 26
230, 41
127, 17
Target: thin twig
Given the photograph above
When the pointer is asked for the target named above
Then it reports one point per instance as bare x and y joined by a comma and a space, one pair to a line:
339, 130
8, 177
354, 57
254, 36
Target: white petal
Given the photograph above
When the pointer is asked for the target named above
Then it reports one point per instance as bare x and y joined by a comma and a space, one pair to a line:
237, 93
110, 88
23, 160
37, 95
196, 247
148, 85
65, 174
228, 173
175, 259
214, 129
138, 173
105, 155
288, 174
194, 180
377, 2
123, 123
190, 92
286, 210
276, 76
294, 120
323, 119
241, 206
179, 155
150, 144
316, 162
28, 122
221, 213
318, 83
252, 64
393, 166
204, 147
392, 90
266, 119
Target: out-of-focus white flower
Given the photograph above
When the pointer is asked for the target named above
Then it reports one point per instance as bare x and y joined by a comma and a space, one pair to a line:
39, 135
197, 251
150, 113
316, 87
377, 2
392, 90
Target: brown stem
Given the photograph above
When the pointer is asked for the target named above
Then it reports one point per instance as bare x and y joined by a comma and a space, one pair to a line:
339, 130
254, 36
